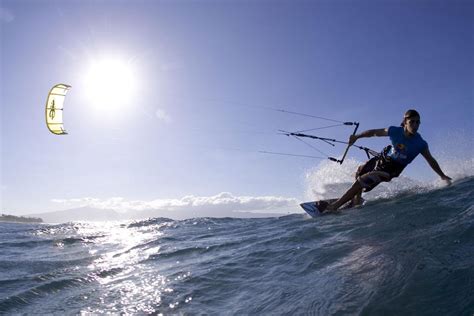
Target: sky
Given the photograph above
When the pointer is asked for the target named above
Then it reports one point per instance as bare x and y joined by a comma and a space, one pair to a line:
171, 101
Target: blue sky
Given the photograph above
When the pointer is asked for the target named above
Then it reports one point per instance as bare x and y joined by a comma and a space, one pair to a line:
205, 75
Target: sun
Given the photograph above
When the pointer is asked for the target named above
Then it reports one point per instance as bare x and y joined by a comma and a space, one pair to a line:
110, 84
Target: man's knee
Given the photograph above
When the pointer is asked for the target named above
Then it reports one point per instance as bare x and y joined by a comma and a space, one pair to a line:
366, 168
359, 171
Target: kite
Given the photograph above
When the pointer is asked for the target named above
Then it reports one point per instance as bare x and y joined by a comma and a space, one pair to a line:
54, 108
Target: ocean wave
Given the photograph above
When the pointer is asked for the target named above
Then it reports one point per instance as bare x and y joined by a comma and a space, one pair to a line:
412, 253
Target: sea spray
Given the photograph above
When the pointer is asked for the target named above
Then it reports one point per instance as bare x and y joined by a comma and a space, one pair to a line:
330, 180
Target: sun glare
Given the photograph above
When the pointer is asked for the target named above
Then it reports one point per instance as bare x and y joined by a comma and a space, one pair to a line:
110, 84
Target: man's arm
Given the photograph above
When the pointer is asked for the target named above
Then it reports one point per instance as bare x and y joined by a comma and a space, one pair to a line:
434, 165
368, 133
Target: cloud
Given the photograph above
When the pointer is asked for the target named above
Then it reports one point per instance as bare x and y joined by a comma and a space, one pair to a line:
224, 202
6, 16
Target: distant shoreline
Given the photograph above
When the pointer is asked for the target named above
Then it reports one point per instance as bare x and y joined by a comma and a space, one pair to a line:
19, 219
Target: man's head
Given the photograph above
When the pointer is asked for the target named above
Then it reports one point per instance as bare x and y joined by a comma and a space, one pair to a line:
411, 121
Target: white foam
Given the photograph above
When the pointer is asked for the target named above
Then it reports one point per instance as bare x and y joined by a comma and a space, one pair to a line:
330, 180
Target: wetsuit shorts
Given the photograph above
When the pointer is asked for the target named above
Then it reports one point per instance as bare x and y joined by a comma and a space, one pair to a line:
376, 170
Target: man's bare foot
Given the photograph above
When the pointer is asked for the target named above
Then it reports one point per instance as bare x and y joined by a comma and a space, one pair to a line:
322, 206
325, 207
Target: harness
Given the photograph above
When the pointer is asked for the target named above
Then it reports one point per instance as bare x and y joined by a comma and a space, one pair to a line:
385, 163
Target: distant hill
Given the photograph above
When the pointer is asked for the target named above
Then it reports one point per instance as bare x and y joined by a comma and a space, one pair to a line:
19, 219
94, 214
80, 214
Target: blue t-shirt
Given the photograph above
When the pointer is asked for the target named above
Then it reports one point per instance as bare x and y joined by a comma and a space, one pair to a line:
405, 149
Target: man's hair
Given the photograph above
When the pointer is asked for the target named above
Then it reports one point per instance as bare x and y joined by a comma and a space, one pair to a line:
409, 114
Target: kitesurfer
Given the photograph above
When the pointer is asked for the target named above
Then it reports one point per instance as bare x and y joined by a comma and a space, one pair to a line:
406, 145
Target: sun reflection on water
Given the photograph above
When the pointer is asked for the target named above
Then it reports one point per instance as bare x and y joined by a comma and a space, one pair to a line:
126, 280
123, 270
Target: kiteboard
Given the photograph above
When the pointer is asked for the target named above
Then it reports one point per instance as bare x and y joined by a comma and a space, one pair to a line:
312, 208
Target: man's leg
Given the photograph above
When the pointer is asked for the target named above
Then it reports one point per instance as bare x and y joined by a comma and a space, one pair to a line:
355, 189
357, 199
368, 181
361, 170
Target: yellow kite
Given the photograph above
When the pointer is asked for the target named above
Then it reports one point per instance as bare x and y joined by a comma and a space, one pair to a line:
54, 108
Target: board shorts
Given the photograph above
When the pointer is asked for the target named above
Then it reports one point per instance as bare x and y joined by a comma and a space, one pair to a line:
378, 169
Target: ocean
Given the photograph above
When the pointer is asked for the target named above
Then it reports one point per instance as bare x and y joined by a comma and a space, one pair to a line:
412, 254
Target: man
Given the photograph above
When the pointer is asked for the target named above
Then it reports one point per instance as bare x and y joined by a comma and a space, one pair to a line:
406, 145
